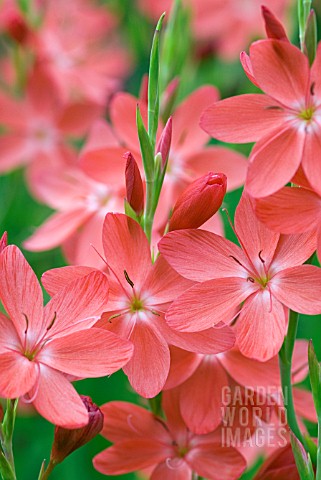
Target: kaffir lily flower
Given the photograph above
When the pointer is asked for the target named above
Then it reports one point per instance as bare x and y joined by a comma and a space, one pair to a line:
143, 440
209, 385
39, 345
253, 284
140, 293
285, 122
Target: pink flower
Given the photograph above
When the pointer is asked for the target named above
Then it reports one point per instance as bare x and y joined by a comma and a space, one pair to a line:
285, 122
209, 386
265, 276
143, 440
278, 466
40, 346
38, 126
140, 293
292, 210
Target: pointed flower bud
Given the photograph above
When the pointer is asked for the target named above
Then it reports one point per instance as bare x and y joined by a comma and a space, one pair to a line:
67, 441
16, 27
199, 201
273, 27
3, 241
134, 185
164, 143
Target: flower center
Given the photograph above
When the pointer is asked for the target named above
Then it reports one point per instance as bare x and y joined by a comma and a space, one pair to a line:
136, 305
307, 114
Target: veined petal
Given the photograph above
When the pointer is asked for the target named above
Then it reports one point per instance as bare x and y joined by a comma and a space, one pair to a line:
21, 293
76, 306
123, 116
215, 462
293, 250
57, 400
187, 135
57, 278
149, 366
9, 339
200, 255
172, 469
219, 159
14, 151
299, 288
56, 229
274, 161
18, 374
259, 241
208, 304
242, 119
125, 420
251, 373
131, 455
201, 396
164, 284
105, 165
88, 353
315, 78
290, 210
183, 365
262, 318
312, 151
281, 70
126, 248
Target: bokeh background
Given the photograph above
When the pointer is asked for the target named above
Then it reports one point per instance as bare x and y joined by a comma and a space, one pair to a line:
199, 62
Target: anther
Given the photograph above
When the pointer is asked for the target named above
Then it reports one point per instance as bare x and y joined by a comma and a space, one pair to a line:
27, 323
52, 321
250, 279
260, 256
236, 260
128, 280
312, 88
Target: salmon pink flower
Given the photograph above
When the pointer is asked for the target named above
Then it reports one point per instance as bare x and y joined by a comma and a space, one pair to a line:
140, 293
142, 440
264, 276
285, 122
38, 125
211, 385
292, 210
40, 346
278, 466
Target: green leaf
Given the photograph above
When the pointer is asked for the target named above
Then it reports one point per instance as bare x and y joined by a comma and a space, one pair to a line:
146, 147
310, 38
302, 459
5, 469
315, 378
153, 85
304, 7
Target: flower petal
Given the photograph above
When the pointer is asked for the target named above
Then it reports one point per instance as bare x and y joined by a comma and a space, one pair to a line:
260, 319
20, 292
312, 151
18, 374
149, 366
243, 119
89, 353
293, 250
57, 400
299, 288
274, 161
281, 70
77, 305
172, 469
57, 278
126, 248
200, 255
208, 304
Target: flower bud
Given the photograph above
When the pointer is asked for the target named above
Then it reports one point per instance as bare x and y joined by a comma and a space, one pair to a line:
164, 143
67, 441
16, 27
199, 201
3, 241
134, 185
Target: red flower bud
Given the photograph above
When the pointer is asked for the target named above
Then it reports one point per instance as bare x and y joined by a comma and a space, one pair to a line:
67, 441
16, 27
3, 241
199, 202
134, 185
273, 27
164, 143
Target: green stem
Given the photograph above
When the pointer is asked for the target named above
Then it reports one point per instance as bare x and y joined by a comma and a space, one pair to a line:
149, 214
44, 475
318, 472
285, 361
6, 436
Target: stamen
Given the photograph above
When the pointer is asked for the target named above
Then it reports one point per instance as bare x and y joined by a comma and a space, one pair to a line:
250, 279
52, 321
114, 273
273, 107
263, 261
128, 280
27, 323
312, 88
243, 266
